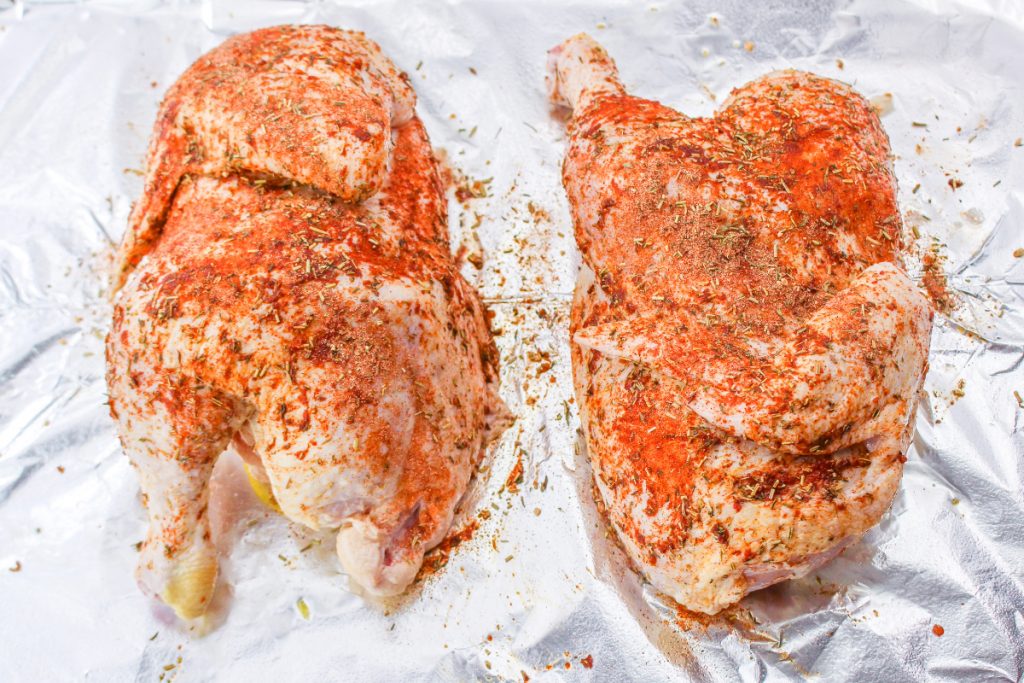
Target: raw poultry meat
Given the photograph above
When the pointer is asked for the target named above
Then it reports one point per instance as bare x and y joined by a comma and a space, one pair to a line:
747, 352
288, 284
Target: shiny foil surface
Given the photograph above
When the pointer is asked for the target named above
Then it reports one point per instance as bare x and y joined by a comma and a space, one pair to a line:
531, 585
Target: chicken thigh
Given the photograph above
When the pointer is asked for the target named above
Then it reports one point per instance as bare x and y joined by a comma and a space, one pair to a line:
288, 284
747, 352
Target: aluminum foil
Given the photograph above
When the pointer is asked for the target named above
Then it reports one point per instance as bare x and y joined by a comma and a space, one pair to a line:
539, 589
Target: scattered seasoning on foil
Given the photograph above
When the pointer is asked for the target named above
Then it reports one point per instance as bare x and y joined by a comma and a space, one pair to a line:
303, 608
938, 630
958, 390
515, 477
439, 555
16, 567
588, 662
934, 280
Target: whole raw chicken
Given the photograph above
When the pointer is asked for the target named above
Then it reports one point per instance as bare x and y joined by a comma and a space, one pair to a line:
747, 353
288, 284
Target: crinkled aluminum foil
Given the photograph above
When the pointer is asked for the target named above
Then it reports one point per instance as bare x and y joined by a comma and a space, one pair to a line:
539, 590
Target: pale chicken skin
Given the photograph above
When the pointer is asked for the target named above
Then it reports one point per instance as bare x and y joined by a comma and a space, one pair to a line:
747, 352
299, 297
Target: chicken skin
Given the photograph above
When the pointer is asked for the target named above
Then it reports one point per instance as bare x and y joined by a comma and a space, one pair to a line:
288, 285
747, 352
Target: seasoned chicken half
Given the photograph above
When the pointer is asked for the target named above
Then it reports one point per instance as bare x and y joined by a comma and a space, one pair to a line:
747, 353
288, 285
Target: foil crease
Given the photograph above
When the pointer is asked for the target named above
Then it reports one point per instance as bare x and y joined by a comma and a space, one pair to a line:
539, 589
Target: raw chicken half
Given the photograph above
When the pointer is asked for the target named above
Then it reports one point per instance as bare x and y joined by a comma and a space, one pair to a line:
288, 284
747, 352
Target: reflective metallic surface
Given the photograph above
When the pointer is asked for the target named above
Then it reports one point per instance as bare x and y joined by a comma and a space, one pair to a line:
539, 587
